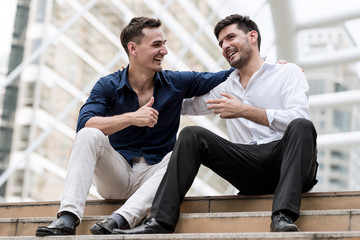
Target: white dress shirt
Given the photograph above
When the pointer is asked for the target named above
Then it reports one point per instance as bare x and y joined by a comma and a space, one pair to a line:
280, 89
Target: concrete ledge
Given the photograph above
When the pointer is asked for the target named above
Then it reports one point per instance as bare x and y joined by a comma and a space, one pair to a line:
312, 220
228, 222
233, 203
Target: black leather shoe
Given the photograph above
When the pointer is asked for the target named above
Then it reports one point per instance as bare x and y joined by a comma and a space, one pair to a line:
149, 226
282, 223
57, 227
104, 227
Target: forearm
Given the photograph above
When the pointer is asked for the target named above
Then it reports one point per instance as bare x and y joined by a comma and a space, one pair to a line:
255, 114
280, 119
110, 125
230, 107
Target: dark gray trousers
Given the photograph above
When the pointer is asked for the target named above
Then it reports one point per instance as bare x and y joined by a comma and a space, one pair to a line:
285, 168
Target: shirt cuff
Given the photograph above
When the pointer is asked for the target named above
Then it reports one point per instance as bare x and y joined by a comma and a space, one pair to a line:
270, 113
82, 122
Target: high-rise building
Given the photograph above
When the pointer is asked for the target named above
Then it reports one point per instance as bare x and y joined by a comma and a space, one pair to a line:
64, 46
339, 164
9, 95
71, 44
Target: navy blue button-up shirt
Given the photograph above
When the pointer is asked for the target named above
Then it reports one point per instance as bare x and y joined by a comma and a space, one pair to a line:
113, 95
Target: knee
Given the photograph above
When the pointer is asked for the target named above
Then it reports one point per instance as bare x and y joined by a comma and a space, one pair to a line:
303, 126
191, 133
88, 134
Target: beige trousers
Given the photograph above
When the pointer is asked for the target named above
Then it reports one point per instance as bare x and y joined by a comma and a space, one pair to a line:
93, 157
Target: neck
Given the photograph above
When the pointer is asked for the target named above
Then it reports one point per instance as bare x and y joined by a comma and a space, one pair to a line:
140, 79
254, 64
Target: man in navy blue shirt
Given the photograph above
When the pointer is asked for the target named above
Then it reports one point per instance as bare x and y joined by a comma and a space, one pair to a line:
126, 131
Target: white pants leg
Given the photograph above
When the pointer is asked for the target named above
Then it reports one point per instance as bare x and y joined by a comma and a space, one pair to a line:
115, 179
145, 180
91, 149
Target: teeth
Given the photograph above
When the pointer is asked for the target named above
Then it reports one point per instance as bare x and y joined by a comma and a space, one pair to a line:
231, 51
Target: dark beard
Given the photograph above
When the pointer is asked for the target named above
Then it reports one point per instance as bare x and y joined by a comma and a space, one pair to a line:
243, 60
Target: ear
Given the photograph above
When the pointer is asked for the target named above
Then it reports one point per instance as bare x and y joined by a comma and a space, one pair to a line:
132, 48
253, 36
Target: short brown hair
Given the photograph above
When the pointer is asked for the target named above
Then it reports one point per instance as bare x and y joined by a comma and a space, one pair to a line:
244, 23
133, 31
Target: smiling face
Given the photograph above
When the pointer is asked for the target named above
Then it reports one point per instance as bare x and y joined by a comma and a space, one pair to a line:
151, 51
235, 44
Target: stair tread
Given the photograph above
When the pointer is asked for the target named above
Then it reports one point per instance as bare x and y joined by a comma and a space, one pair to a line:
322, 215
229, 203
199, 236
197, 198
206, 215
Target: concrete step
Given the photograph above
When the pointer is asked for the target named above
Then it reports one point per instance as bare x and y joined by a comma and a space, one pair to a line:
205, 236
330, 215
229, 222
250, 203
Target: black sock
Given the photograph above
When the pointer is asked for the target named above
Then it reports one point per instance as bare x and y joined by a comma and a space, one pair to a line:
120, 220
70, 219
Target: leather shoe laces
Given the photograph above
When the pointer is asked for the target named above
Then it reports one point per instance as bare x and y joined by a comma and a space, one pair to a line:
282, 223
282, 217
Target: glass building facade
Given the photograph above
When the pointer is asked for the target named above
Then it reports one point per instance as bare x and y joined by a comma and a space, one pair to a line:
71, 43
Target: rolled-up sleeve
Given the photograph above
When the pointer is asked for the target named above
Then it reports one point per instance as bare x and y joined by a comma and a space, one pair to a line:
197, 84
98, 104
197, 105
295, 98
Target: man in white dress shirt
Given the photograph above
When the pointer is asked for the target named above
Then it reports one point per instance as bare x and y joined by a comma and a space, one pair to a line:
272, 147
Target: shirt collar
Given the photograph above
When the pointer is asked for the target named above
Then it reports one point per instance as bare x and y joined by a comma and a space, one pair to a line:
159, 79
124, 81
267, 63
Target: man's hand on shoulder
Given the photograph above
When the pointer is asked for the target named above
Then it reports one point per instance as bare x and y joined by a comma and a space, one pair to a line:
282, 61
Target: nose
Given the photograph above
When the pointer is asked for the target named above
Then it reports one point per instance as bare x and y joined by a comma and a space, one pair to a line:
164, 50
225, 48
225, 45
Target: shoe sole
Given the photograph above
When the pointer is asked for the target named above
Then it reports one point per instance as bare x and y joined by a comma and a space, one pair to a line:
288, 229
98, 230
291, 229
43, 232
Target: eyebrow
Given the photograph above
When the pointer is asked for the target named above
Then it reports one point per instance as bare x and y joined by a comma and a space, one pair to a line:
158, 41
227, 36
